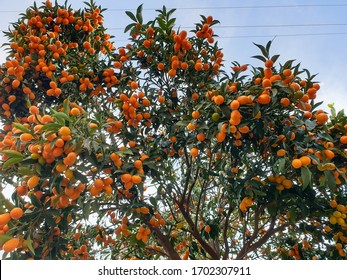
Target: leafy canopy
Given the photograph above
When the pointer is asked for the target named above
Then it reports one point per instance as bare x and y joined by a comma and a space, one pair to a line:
158, 150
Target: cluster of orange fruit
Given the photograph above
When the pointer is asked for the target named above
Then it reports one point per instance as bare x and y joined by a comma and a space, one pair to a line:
40, 48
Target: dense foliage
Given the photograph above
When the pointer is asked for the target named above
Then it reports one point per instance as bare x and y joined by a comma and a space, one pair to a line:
159, 150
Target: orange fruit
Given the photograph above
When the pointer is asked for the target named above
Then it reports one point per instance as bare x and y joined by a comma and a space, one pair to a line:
322, 117
264, 99
33, 182
138, 164
221, 136
329, 154
296, 163
194, 152
70, 159
64, 131
281, 152
196, 114
16, 213
343, 139
10, 245
161, 99
26, 137
198, 66
136, 179
285, 101
235, 104
201, 137
75, 112
5, 218
269, 63
287, 72
160, 66
125, 178
305, 160
219, 99
266, 83
207, 228
134, 85
33, 110
243, 99
98, 183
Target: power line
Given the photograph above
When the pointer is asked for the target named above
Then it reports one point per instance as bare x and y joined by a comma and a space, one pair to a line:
283, 35
260, 26
270, 35
254, 26
241, 7
219, 8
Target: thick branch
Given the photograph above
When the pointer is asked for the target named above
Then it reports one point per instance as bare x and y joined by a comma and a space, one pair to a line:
225, 236
165, 242
269, 233
197, 235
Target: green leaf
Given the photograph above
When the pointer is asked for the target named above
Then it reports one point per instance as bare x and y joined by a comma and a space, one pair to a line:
51, 126
61, 116
281, 165
86, 210
11, 161
310, 125
306, 176
13, 154
49, 220
293, 215
153, 201
125, 152
330, 180
35, 201
259, 57
30, 245
182, 123
263, 50
21, 127
131, 15
79, 176
259, 193
275, 57
139, 14
66, 106
128, 27
4, 238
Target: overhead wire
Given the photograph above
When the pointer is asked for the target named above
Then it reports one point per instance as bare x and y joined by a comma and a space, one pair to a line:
255, 26
218, 8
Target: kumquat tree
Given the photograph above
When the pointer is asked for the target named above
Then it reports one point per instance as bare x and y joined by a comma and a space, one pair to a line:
157, 150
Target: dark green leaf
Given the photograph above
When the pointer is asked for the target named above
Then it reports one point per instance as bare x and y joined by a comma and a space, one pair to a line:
128, 27
86, 210
153, 201
263, 50
330, 179
139, 14
30, 245
131, 15
259, 57
275, 57
35, 201
306, 176
49, 220
79, 176
310, 125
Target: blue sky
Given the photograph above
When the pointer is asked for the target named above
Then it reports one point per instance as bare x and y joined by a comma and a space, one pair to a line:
322, 54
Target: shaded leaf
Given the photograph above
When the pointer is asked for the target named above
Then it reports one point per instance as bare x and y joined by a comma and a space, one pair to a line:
306, 176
